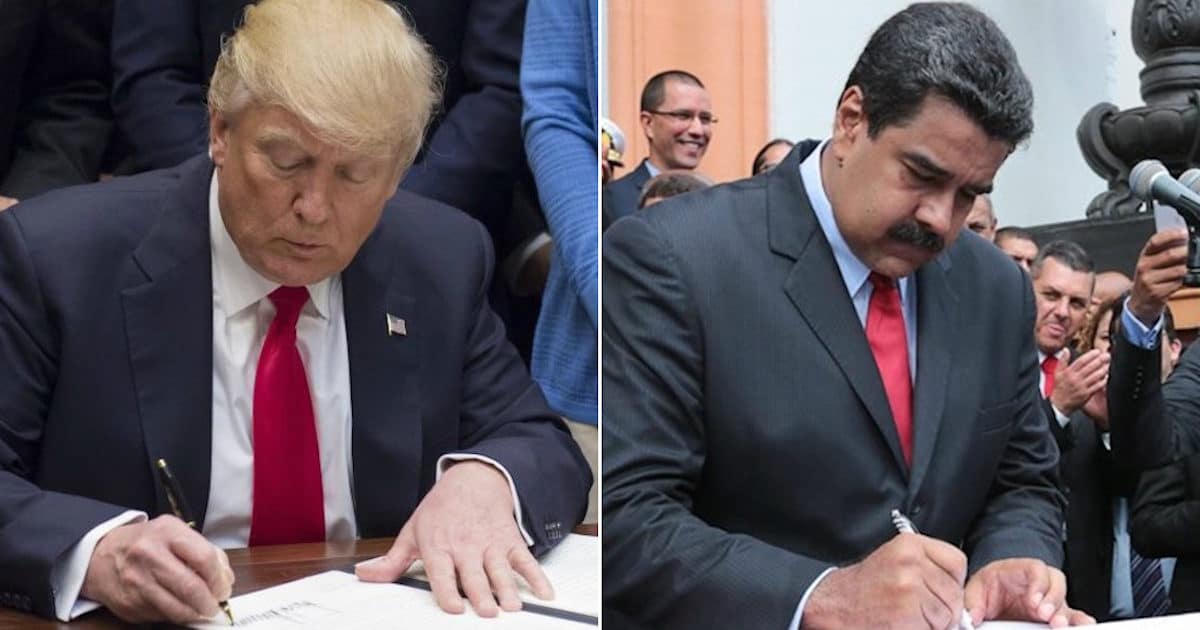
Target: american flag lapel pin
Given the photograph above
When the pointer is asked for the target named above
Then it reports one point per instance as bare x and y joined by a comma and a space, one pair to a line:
395, 326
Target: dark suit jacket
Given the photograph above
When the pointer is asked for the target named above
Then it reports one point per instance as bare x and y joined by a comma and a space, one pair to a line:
54, 114
1152, 422
109, 366
1064, 437
1091, 483
164, 52
622, 195
1164, 523
748, 442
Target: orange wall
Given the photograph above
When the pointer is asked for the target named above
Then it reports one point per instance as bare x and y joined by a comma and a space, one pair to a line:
723, 42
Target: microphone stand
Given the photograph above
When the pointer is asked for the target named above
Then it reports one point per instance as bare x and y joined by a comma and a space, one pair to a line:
1191, 215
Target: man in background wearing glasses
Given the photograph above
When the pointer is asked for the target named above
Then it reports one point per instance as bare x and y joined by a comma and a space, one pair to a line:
677, 119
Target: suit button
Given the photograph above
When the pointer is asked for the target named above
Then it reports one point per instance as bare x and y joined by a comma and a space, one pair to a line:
916, 510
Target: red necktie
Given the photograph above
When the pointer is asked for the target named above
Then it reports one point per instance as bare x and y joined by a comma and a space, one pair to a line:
289, 506
1049, 367
889, 344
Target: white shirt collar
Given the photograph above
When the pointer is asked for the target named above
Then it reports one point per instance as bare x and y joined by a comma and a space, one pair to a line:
854, 271
236, 285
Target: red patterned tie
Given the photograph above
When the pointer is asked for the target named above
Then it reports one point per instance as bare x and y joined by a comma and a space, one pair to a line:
889, 344
1049, 367
289, 506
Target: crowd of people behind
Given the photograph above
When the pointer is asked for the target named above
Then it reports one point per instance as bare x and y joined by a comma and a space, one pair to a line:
1128, 468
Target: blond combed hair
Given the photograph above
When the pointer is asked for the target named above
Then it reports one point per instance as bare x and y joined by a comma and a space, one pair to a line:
355, 71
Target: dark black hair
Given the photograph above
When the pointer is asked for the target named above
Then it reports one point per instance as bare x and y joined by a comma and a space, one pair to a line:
761, 156
656, 88
951, 50
669, 184
1014, 232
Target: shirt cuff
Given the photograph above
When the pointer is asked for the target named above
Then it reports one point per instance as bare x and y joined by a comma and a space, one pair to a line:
450, 458
1137, 333
66, 576
795, 625
1063, 419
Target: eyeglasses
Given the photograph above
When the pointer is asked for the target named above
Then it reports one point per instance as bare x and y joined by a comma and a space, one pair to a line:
685, 116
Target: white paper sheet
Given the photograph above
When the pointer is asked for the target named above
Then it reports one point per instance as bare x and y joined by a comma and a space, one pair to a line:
336, 599
1174, 622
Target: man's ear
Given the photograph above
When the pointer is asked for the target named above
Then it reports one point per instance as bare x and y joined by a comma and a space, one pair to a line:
218, 137
645, 118
850, 119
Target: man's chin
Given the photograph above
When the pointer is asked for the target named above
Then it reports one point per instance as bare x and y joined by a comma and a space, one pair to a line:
294, 273
901, 266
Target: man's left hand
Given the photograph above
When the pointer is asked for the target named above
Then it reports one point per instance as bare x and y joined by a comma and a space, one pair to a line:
1021, 589
465, 533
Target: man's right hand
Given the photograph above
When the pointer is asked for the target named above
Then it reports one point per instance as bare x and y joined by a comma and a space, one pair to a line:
159, 570
913, 581
7, 202
1076, 382
1160, 270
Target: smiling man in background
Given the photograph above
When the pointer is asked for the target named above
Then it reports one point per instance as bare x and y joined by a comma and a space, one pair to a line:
677, 119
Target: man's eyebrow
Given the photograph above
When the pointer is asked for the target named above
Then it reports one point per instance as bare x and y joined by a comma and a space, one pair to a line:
925, 164
271, 138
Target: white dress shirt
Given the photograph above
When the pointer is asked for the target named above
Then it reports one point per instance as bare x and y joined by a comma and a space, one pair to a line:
854, 274
242, 314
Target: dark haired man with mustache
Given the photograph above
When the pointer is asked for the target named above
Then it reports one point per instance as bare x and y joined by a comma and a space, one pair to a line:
789, 358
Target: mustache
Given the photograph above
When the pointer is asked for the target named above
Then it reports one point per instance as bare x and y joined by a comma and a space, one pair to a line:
911, 232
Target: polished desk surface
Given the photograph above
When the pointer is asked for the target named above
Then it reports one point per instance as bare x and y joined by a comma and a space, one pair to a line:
255, 568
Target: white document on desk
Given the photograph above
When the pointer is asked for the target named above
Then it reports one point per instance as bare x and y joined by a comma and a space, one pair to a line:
336, 599
1173, 622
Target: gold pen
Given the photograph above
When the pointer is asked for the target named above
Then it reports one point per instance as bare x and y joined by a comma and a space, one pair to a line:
180, 507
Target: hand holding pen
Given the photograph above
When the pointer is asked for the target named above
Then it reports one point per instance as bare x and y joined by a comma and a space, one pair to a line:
910, 581
158, 570
905, 526
183, 511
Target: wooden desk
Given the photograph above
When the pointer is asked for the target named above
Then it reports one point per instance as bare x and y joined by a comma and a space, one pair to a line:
255, 568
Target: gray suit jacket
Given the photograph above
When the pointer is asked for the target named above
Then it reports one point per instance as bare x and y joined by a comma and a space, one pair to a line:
622, 194
748, 442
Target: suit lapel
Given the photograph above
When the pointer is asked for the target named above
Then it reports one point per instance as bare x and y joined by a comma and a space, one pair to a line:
386, 408
937, 323
168, 325
642, 175
814, 285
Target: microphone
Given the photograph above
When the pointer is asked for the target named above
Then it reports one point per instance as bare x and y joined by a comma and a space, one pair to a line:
1151, 181
1191, 179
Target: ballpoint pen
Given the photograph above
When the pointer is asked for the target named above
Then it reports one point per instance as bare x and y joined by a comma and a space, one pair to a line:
180, 507
905, 526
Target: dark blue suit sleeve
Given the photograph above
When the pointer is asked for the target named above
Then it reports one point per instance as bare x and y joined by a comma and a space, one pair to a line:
470, 159
36, 526
159, 85
505, 417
